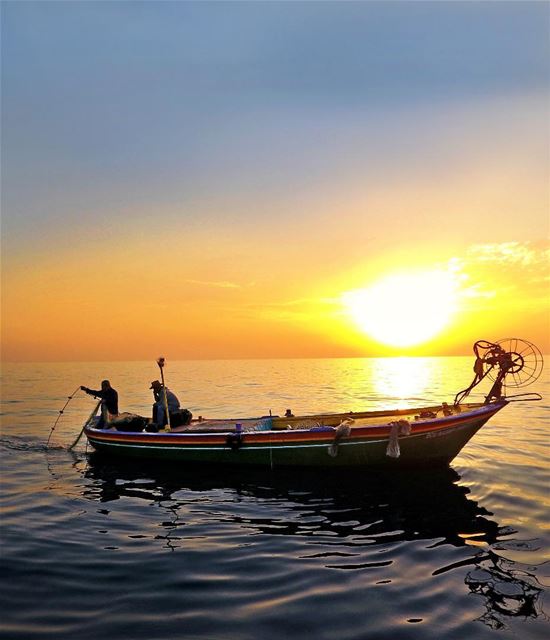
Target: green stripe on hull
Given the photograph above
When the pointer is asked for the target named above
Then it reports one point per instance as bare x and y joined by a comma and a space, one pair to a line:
431, 448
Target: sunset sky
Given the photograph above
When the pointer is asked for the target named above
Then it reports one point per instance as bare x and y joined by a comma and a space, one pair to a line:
273, 179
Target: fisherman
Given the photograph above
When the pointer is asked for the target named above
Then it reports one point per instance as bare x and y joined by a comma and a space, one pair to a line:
173, 403
109, 402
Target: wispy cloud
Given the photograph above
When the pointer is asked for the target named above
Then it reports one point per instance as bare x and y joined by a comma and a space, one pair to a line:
513, 253
299, 302
220, 284
517, 269
299, 310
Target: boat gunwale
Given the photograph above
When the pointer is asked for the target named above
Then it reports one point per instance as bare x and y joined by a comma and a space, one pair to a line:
269, 445
310, 435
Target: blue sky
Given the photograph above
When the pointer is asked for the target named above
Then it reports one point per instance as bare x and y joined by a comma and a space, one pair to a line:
113, 102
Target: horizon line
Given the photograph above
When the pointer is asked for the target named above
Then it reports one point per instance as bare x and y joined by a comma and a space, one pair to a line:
206, 359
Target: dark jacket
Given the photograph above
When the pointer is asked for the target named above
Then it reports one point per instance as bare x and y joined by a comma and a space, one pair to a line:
109, 398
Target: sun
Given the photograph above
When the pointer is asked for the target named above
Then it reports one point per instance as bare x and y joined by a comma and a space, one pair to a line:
403, 310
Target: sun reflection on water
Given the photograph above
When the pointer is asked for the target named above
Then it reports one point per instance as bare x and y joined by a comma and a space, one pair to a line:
403, 378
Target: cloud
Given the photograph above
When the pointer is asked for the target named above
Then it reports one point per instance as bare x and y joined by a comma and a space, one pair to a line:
519, 270
302, 310
299, 302
509, 253
220, 284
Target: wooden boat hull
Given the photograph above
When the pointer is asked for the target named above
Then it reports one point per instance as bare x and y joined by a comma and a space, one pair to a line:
431, 442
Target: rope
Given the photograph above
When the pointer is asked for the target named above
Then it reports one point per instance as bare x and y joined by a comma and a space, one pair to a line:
61, 413
462, 395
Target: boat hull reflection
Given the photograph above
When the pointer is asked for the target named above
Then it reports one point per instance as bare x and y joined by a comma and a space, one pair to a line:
352, 520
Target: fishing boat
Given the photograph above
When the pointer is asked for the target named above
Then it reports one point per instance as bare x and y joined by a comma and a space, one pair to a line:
422, 436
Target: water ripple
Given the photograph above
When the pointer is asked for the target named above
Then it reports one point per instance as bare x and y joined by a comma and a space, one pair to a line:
94, 548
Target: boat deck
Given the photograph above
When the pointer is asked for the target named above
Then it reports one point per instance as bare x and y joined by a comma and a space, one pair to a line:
323, 421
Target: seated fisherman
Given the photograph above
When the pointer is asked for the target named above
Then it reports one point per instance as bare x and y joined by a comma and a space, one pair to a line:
109, 402
159, 416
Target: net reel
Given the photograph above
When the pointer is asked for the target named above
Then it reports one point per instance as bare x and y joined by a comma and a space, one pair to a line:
510, 362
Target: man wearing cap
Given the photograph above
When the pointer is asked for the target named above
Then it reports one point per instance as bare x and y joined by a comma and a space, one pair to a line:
158, 408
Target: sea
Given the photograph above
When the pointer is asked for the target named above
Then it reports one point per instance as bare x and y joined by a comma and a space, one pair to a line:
95, 548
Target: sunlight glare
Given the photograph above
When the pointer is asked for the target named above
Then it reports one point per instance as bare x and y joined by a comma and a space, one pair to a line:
402, 378
403, 310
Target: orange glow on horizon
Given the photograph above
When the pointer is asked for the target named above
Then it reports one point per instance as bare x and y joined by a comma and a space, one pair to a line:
89, 309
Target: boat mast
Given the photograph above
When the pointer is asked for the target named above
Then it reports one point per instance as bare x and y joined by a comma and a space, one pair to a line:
160, 363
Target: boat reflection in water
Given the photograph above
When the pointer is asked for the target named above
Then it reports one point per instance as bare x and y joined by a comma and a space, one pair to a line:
349, 516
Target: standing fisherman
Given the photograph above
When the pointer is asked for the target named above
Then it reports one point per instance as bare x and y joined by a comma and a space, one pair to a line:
109, 402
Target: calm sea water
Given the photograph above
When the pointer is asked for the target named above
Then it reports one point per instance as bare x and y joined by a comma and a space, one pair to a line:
97, 549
